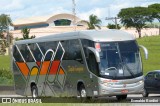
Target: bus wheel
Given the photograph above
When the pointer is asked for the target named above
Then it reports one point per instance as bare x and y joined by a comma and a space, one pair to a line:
121, 97
145, 93
83, 94
34, 91
82, 91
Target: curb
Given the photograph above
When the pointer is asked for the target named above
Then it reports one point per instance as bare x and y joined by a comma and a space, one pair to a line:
6, 88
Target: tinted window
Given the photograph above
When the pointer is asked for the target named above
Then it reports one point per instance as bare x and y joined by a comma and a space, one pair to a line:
17, 55
75, 50
86, 43
150, 76
42, 47
25, 53
65, 45
157, 75
36, 52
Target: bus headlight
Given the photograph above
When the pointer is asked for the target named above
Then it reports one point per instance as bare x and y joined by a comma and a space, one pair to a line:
141, 81
104, 83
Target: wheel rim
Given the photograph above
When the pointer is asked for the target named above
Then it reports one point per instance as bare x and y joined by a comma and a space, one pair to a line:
144, 93
83, 93
34, 93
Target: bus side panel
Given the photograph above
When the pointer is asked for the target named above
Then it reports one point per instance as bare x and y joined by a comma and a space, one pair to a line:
20, 82
75, 72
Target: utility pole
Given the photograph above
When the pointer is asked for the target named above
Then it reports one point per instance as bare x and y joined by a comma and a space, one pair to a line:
74, 13
8, 40
115, 20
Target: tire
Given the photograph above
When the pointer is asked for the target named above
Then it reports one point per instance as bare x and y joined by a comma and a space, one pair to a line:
121, 97
83, 93
145, 93
34, 91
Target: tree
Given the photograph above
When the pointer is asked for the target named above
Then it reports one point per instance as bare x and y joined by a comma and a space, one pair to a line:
156, 12
136, 17
113, 26
93, 21
5, 22
25, 32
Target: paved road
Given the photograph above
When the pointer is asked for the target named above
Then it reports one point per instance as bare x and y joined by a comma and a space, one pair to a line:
11, 93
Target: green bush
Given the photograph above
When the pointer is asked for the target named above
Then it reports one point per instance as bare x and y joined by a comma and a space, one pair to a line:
6, 73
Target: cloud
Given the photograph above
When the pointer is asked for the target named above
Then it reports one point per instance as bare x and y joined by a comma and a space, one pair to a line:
11, 5
101, 8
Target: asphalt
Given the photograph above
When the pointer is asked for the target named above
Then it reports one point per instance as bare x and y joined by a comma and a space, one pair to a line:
8, 91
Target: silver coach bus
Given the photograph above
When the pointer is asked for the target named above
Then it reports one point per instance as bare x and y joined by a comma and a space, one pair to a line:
86, 64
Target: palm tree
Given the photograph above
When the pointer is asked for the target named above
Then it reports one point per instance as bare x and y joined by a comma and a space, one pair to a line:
93, 21
25, 31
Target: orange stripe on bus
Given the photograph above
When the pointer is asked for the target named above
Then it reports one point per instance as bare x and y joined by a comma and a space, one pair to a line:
61, 71
38, 63
54, 67
45, 66
23, 68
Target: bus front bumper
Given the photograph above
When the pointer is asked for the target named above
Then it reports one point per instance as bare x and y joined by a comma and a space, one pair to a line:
123, 89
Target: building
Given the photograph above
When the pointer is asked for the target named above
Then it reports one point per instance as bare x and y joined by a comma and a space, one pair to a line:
46, 25
59, 23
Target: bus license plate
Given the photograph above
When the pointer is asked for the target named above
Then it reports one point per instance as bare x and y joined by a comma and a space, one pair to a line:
124, 91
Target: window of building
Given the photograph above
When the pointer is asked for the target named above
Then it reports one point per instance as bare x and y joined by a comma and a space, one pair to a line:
62, 22
31, 26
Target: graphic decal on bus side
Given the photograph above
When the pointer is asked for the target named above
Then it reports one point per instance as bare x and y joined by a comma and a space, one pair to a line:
44, 73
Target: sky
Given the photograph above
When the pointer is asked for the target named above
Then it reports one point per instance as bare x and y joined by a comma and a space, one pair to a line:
102, 8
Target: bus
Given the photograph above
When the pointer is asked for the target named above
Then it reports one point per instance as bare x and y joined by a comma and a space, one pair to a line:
91, 63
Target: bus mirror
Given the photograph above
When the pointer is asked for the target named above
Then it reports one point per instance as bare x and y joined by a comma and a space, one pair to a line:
145, 51
96, 53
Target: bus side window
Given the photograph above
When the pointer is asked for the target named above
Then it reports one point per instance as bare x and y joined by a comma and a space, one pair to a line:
26, 53
35, 51
86, 43
92, 64
75, 51
65, 45
90, 57
17, 55
42, 47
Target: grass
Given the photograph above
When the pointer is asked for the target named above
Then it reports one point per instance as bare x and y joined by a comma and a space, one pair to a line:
152, 43
5, 73
72, 104
4, 62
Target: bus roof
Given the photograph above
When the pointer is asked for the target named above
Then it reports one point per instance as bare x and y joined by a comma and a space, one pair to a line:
94, 35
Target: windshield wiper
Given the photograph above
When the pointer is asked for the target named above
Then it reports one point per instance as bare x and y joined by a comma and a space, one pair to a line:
112, 68
128, 69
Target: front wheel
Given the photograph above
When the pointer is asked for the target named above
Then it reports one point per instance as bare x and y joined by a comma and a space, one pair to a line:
34, 91
145, 93
83, 94
121, 97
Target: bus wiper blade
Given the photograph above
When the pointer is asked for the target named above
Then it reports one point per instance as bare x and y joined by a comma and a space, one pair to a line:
115, 70
129, 70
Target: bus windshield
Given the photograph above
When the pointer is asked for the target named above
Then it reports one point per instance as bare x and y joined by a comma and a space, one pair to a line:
120, 60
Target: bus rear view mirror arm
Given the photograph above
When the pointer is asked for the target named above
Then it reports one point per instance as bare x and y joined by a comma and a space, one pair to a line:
145, 51
96, 53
